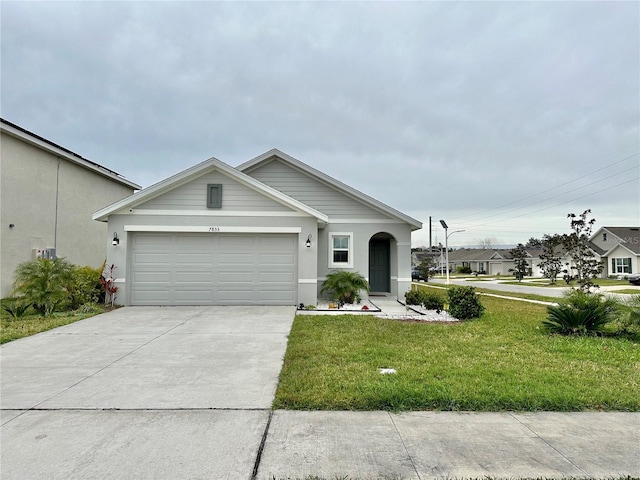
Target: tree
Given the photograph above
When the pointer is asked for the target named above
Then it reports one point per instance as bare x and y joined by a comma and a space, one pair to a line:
584, 267
551, 262
535, 242
425, 268
521, 265
487, 243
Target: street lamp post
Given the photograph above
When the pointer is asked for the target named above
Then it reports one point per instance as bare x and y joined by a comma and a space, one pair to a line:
446, 243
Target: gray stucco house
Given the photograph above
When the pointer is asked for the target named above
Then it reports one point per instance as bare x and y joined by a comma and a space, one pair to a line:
264, 233
47, 197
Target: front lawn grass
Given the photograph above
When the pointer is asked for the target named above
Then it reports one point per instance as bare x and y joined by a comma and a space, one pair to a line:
502, 361
13, 329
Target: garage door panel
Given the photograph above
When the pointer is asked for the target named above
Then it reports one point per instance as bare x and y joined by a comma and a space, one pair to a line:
276, 259
193, 296
237, 277
194, 258
276, 277
236, 258
194, 277
237, 242
152, 258
152, 277
213, 269
159, 239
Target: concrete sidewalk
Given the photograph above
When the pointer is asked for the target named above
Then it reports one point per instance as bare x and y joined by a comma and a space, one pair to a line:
185, 393
435, 445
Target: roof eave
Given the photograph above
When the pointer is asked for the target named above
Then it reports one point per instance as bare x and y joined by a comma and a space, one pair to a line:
39, 142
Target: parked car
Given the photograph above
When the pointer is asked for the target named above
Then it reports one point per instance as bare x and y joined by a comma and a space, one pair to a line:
415, 274
634, 279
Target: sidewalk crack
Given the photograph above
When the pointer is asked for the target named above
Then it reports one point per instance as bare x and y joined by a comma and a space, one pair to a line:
404, 445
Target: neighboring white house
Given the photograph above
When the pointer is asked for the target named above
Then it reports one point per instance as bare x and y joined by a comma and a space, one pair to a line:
48, 195
493, 261
264, 233
619, 249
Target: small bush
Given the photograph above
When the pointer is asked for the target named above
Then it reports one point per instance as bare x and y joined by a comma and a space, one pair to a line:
413, 297
581, 313
432, 301
15, 307
463, 270
90, 309
85, 287
628, 321
464, 303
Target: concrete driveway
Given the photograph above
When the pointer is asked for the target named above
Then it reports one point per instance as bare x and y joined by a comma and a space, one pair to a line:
142, 392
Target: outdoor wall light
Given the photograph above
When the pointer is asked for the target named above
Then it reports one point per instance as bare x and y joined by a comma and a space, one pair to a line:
116, 240
308, 243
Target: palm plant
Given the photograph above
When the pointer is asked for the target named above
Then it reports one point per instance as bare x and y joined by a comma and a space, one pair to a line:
43, 283
581, 313
344, 286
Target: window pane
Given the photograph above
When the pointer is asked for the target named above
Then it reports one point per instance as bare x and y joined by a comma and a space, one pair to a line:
341, 242
341, 256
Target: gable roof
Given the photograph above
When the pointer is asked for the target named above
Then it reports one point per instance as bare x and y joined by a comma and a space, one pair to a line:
266, 157
628, 237
213, 164
40, 142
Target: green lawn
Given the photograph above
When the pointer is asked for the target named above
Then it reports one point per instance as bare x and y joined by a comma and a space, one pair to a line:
503, 361
31, 324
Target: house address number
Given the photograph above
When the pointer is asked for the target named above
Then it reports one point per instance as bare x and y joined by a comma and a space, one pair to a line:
214, 229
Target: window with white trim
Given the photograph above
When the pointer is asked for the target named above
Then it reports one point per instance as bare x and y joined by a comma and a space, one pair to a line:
621, 265
340, 250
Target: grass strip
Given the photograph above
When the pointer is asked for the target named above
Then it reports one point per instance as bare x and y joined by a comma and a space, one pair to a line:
503, 361
13, 329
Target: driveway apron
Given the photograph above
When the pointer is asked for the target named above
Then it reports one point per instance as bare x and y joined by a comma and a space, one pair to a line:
142, 392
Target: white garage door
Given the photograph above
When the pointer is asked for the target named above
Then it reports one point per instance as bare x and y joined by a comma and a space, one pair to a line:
213, 269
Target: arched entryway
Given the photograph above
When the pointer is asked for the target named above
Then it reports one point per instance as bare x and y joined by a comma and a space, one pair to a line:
380, 263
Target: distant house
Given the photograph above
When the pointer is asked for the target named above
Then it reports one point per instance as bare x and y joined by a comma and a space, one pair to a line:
264, 233
48, 194
619, 248
492, 261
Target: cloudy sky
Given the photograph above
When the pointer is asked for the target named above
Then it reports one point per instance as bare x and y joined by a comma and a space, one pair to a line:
499, 117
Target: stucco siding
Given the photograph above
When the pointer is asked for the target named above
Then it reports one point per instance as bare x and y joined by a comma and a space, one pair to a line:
50, 202
309, 190
400, 252
193, 196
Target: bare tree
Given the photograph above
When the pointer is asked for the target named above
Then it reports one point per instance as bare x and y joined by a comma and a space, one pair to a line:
487, 243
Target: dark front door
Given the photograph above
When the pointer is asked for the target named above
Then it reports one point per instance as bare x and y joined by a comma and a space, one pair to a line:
379, 266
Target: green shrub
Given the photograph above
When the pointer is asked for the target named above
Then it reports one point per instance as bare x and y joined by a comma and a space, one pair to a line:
464, 303
581, 313
432, 301
90, 309
628, 320
345, 287
464, 270
413, 297
85, 286
43, 284
15, 307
